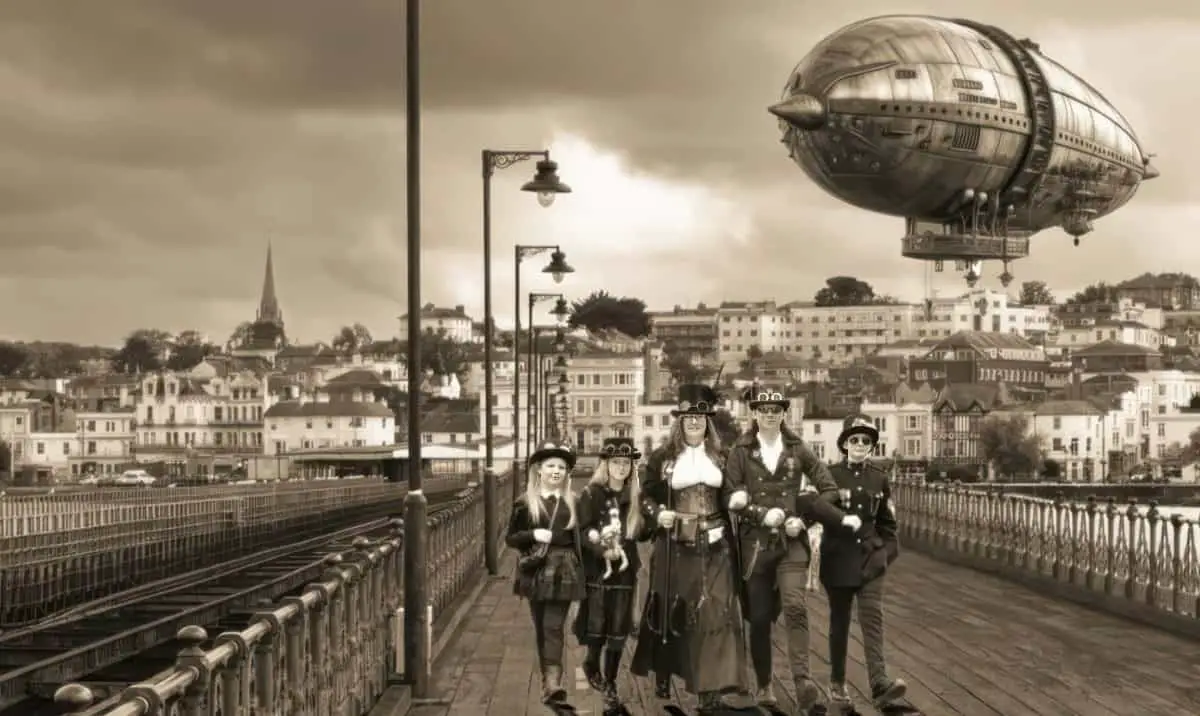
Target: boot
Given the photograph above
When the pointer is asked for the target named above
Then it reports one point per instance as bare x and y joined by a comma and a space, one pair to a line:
552, 688
662, 686
887, 693
807, 694
612, 664
838, 694
591, 668
765, 695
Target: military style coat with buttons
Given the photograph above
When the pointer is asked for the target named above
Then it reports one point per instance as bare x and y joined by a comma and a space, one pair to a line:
851, 559
800, 485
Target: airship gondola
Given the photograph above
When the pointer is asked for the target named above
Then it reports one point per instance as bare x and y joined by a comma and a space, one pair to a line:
975, 138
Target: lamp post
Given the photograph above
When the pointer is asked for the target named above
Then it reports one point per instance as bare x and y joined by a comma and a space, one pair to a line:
564, 398
416, 507
538, 395
560, 312
547, 185
558, 268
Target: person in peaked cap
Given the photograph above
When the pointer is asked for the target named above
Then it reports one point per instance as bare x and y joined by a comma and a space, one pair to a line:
779, 486
544, 527
691, 624
610, 517
853, 564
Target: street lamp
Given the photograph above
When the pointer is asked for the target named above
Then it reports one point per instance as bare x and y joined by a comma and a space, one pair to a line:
539, 396
545, 182
560, 312
416, 507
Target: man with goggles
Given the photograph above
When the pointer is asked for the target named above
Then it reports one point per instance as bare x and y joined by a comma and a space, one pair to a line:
777, 486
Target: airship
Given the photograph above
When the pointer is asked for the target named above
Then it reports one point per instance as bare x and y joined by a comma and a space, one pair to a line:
975, 138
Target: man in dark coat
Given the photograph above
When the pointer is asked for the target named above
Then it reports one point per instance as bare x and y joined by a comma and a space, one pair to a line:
853, 564
779, 486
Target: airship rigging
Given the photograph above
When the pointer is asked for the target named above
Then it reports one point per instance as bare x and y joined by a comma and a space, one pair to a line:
975, 138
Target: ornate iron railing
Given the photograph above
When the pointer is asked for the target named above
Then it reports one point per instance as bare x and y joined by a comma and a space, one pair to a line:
330, 650
1131, 553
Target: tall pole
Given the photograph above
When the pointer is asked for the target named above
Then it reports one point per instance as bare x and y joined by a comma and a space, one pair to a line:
416, 508
532, 371
491, 555
516, 342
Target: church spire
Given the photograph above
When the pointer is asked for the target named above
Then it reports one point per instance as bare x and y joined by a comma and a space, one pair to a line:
268, 305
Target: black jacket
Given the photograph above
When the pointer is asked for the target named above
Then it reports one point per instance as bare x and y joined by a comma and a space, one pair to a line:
853, 559
783, 488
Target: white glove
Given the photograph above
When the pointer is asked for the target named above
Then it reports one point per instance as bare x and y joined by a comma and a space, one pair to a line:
593, 537
542, 536
738, 500
609, 531
773, 518
666, 519
793, 526
854, 522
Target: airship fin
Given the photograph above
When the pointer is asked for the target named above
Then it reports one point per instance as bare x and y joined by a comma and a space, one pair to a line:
1150, 171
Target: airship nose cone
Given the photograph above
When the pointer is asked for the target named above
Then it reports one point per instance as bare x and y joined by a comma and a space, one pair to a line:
1150, 172
800, 110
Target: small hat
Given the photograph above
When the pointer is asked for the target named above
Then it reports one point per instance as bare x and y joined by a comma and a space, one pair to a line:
552, 449
696, 399
857, 424
619, 447
757, 396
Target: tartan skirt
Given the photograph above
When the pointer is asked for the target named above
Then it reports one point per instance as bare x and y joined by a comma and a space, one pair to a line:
560, 578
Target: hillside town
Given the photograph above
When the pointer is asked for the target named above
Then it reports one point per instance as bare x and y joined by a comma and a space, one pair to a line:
980, 385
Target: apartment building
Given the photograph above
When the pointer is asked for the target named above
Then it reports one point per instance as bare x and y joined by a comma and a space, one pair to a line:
750, 325
605, 387
690, 330
453, 323
652, 424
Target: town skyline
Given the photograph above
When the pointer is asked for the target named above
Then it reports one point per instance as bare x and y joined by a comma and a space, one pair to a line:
143, 194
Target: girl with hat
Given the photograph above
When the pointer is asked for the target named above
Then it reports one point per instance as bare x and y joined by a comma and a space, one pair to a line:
544, 528
853, 564
780, 487
691, 625
610, 516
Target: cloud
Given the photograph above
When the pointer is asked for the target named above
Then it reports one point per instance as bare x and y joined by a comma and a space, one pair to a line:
149, 149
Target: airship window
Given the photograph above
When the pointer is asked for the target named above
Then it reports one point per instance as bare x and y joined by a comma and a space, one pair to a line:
883, 108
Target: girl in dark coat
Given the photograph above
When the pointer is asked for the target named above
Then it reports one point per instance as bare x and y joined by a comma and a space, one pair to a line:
544, 528
610, 519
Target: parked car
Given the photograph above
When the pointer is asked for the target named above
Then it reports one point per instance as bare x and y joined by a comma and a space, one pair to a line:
134, 478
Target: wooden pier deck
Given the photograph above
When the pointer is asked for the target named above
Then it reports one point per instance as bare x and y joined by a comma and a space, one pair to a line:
967, 643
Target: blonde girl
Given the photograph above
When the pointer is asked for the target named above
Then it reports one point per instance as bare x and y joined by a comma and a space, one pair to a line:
543, 527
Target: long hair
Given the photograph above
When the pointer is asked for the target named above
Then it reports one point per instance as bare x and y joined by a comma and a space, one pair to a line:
533, 496
712, 442
633, 521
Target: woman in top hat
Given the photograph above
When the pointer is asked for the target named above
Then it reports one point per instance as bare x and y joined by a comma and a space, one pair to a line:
610, 517
691, 625
779, 488
853, 564
544, 528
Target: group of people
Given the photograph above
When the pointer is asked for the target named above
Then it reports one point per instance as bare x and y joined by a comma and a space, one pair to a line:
730, 557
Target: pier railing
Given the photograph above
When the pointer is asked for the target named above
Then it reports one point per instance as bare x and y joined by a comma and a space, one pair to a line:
1128, 558
332, 649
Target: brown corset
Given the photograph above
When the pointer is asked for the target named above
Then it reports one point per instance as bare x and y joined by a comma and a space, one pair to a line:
699, 500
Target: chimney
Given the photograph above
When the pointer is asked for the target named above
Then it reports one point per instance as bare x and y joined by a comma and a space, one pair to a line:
460, 308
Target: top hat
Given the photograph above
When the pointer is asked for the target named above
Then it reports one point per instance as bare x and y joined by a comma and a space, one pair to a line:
552, 449
619, 447
757, 396
696, 399
857, 424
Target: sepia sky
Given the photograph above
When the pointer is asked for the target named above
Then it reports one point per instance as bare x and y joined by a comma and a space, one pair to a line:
149, 150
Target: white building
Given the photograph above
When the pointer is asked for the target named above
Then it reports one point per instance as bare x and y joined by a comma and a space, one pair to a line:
905, 430
652, 425
1089, 331
221, 417
453, 323
821, 434
605, 387
746, 325
1075, 434
306, 424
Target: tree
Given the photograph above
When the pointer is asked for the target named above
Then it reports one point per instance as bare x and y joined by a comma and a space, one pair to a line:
602, 311
845, 291
1006, 443
1096, 293
5, 457
1036, 293
13, 358
188, 350
727, 427
241, 334
141, 352
1190, 452
352, 338
443, 355
752, 356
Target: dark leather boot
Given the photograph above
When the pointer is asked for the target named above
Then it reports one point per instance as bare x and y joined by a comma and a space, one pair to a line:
552, 688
